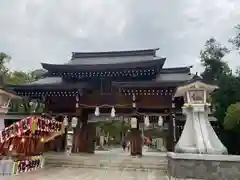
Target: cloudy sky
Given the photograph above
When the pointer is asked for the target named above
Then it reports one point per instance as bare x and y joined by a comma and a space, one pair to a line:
34, 31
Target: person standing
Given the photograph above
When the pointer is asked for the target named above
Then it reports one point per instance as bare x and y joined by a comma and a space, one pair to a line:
148, 141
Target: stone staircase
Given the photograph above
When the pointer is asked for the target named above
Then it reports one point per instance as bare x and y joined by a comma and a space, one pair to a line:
104, 161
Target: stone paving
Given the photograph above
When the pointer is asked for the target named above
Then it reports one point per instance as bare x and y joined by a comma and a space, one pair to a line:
66, 173
87, 174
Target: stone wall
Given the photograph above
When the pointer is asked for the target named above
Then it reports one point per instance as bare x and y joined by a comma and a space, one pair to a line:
195, 166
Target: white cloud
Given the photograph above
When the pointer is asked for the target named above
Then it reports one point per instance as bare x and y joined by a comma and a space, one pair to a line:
34, 31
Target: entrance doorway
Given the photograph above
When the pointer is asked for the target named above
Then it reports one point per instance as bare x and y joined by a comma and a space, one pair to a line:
111, 133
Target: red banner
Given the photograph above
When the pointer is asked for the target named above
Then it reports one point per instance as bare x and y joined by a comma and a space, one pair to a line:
33, 124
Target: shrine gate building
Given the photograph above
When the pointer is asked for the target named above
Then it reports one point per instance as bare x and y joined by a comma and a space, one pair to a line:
134, 83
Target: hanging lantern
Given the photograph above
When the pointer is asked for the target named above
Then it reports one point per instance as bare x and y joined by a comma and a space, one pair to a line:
113, 112
65, 121
74, 122
146, 121
133, 97
133, 101
97, 111
133, 122
160, 121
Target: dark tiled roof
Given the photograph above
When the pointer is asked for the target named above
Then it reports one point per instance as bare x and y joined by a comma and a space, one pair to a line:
113, 60
182, 77
176, 70
51, 83
171, 77
153, 63
143, 84
179, 74
110, 60
144, 52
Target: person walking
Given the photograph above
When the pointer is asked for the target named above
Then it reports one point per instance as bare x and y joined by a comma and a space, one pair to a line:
148, 141
128, 146
124, 144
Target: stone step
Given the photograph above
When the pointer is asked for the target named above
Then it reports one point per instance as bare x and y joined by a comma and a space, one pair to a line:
120, 164
159, 161
107, 158
106, 164
121, 168
137, 161
103, 161
148, 166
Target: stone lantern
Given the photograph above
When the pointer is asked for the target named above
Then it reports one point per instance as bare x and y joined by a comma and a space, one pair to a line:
198, 136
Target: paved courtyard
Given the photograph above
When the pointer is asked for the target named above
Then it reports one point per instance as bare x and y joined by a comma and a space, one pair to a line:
87, 174
67, 173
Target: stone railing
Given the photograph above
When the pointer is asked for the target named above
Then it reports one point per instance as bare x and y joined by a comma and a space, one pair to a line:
10, 167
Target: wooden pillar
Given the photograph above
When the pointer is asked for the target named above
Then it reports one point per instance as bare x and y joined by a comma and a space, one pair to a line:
136, 141
170, 139
86, 135
136, 136
77, 131
81, 140
91, 137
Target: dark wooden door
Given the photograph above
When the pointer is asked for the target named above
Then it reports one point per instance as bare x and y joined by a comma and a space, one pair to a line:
91, 137
86, 138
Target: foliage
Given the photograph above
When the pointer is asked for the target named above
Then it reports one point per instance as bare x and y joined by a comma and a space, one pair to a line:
113, 128
227, 94
4, 59
237, 72
216, 71
225, 99
211, 59
20, 77
232, 118
236, 40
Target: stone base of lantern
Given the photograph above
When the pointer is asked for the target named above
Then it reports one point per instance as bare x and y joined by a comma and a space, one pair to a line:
203, 166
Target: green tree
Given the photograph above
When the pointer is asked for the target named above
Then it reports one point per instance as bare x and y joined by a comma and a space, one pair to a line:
237, 72
211, 58
20, 77
4, 59
231, 134
236, 39
232, 118
227, 94
216, 71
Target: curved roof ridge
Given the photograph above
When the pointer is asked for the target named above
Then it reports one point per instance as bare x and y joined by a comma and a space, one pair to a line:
184, 69
137, 64
151, 52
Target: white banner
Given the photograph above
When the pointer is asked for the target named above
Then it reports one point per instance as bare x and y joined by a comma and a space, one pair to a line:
2, 126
